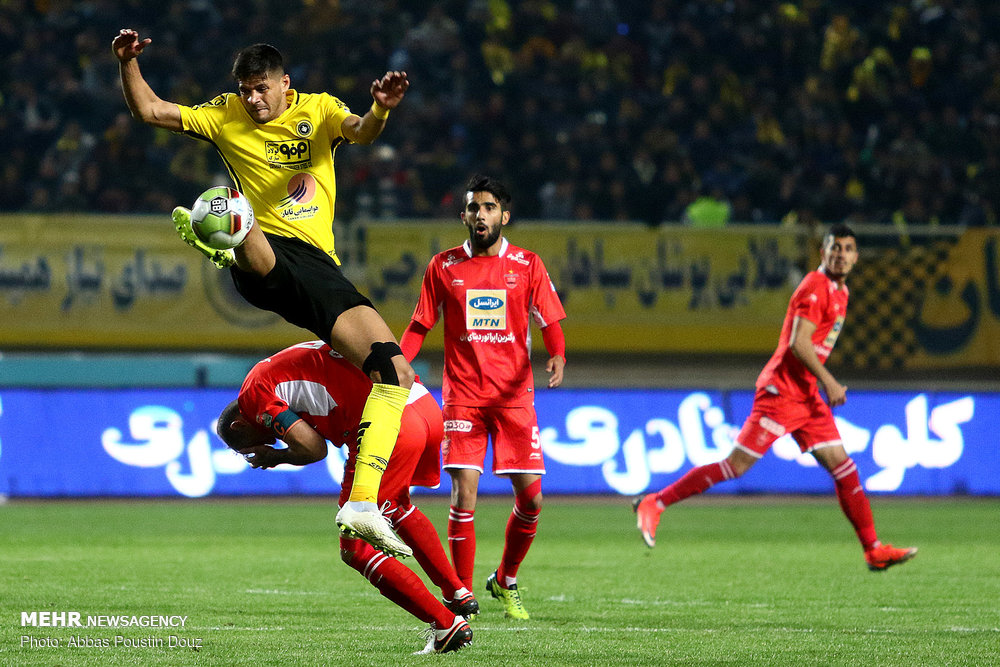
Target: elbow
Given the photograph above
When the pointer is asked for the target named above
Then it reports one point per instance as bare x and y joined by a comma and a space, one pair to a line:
144, 116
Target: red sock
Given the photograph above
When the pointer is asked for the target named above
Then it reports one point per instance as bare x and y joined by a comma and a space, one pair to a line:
462, 542
695, 481
395, 581
521, 528
419, 533
854, 502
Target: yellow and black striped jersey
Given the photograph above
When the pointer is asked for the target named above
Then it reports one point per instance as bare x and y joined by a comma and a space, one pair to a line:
284, 167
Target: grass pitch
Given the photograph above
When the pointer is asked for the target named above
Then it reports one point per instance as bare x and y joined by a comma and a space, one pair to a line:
732, 581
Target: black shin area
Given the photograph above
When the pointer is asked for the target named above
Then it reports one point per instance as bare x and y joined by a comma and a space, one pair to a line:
380, 360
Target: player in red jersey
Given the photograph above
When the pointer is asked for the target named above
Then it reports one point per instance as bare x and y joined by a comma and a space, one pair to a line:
788, 400
308, 394
488, 290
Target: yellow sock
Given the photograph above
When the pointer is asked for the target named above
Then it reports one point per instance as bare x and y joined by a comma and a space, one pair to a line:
376, 438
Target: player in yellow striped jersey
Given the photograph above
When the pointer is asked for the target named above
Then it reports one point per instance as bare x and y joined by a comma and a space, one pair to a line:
278, 145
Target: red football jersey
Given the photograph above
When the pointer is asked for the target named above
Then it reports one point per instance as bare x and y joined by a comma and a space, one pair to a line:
487, 304
819, 300
315, 383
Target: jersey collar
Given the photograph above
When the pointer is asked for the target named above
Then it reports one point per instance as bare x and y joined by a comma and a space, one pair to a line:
467, 246
834, 285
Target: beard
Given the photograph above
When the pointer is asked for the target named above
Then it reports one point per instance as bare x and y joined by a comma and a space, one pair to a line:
486, 241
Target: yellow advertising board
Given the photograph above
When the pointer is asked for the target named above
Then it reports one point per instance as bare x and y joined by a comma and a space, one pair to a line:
120, 282
126, 282
625, 288
956, 319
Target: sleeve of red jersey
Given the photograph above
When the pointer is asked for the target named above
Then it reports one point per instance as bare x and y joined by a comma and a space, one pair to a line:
809, 301
262, 406
547, 309
425, 312
412, 340
555, 340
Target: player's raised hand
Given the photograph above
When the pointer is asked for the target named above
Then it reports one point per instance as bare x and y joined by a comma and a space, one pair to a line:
126, 45
389, 90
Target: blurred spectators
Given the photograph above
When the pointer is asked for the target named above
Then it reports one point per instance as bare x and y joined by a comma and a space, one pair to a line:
783, 111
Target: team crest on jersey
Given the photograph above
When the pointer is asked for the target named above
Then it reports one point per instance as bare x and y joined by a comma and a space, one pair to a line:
510, 280
486, 309
303, 128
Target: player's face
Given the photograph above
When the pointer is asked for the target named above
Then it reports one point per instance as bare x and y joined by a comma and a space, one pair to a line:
264, 97
485, 219
840, 253
248, 435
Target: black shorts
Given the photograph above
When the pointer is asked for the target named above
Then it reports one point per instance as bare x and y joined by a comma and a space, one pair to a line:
306, 287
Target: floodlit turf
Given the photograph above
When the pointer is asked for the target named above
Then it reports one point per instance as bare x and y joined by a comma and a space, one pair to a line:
732, 581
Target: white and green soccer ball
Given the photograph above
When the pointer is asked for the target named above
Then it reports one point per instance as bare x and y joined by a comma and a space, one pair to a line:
222, 217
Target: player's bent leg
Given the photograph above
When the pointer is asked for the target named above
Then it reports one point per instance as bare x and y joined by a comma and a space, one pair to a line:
419, 533
377, 433
695, 481
181, 218
854, 503
358, 334
522, 525
255, 255
399, 584
362, 336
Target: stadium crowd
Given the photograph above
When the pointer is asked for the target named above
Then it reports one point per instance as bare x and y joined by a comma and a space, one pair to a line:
591, 109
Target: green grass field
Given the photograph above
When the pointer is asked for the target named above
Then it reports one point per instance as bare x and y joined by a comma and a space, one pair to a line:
733, 581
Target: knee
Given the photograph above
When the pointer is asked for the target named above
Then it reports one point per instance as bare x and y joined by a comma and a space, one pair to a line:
529, 498
404, 372
739, 462
387, 365
534, 503
463, 496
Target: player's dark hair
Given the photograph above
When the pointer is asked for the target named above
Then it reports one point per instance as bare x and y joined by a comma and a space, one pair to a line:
257, 61
224, 426
481, 183
839, 231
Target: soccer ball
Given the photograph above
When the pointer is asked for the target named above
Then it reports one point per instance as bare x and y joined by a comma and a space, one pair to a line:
221, 217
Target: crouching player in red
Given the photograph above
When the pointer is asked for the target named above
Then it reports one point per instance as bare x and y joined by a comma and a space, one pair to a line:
788, 400
308, 394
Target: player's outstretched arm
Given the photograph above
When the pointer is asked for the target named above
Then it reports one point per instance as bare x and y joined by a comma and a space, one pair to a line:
144, 104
